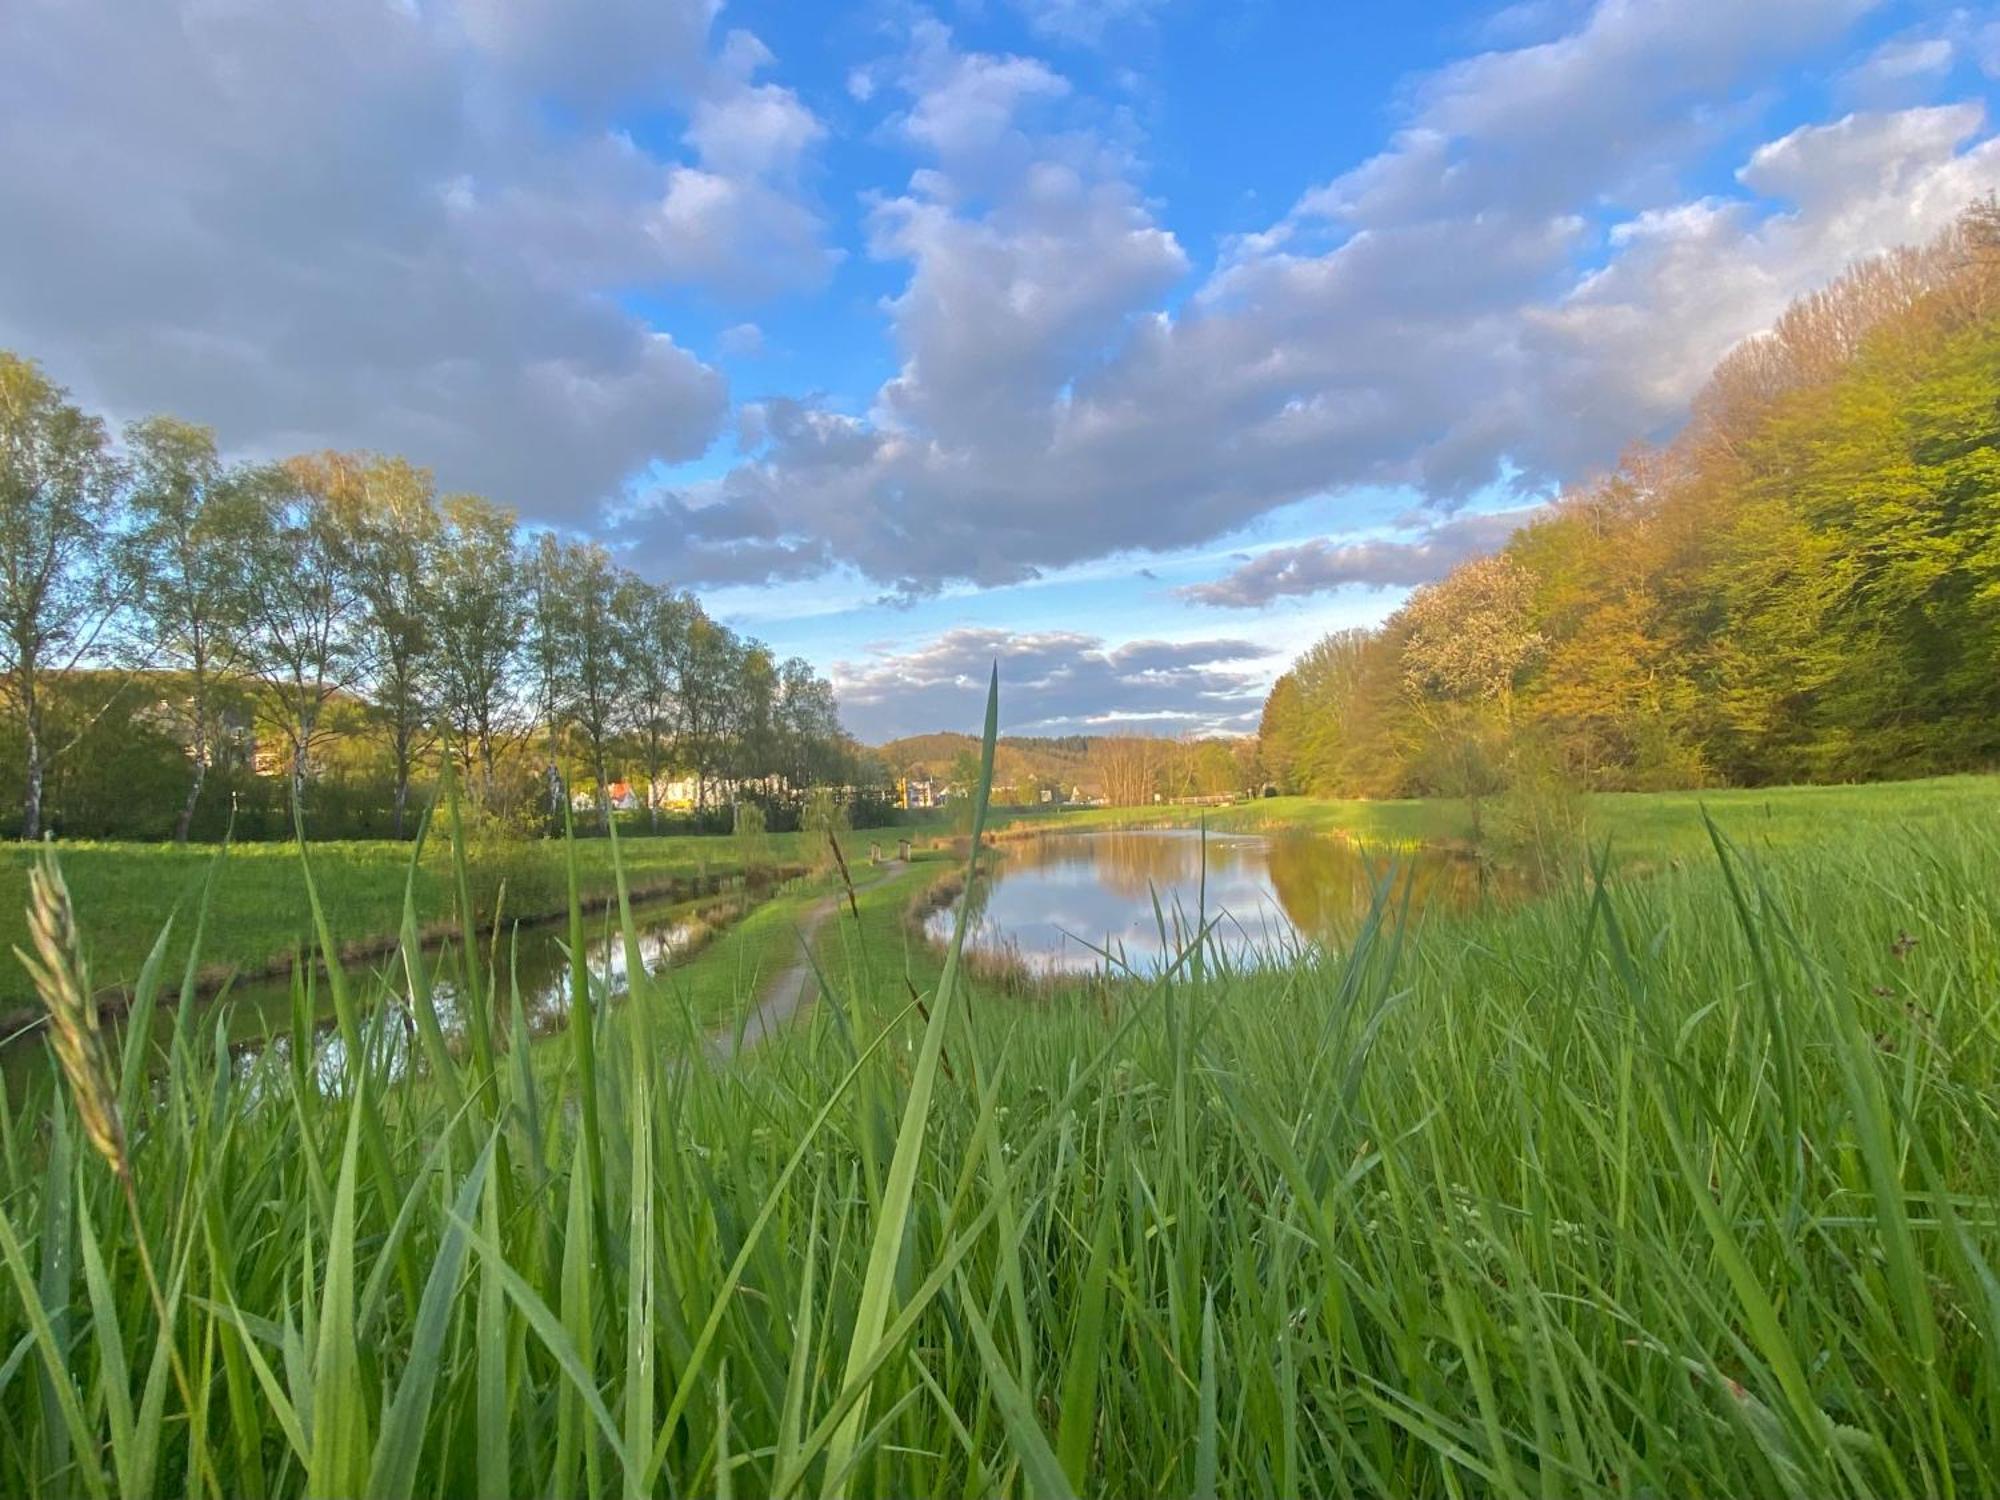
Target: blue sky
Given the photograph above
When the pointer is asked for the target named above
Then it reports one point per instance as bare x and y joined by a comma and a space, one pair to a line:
1132, 343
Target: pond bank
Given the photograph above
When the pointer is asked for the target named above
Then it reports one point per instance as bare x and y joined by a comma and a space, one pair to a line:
740, 893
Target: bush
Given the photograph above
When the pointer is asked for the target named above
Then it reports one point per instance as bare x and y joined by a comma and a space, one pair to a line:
1540, 820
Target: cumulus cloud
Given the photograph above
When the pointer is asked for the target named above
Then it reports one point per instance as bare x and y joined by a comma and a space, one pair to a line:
1712, 270
594, 55
1314, 566
1447, 312
1053, 682
354, 224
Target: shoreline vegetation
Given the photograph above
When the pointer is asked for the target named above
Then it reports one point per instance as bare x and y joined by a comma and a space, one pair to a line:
1667, 1181
260, 921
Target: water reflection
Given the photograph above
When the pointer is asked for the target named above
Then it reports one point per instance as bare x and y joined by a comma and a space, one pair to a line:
1065, 901
257, 1020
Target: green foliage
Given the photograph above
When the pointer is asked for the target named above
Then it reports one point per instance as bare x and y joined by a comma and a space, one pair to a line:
822, 816
223, 640
752, 843
1805, 587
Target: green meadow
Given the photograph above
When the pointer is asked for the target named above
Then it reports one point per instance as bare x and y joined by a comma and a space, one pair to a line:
257, 916
1682, 1177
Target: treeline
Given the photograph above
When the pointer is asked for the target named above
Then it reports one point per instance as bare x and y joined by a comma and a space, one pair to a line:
325, 629
1803, 586
1125, 770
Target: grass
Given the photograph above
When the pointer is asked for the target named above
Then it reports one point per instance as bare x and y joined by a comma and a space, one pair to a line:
1687, 1184
260, 917
1644, 829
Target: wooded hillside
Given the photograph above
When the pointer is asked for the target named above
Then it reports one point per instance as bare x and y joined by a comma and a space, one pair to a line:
1803, 586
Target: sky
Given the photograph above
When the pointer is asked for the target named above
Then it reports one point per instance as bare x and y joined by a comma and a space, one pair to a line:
1131, 344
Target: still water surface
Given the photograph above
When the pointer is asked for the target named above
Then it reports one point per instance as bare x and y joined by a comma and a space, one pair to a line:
1067, 900
257, 1014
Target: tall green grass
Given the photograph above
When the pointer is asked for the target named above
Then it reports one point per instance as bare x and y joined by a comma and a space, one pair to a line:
1682, 1186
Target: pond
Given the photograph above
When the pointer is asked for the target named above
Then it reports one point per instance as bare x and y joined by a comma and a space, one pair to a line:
258, 1013
1071, 902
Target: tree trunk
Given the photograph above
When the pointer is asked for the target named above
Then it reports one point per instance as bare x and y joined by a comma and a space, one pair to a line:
653, 787
485, 768
402, 779
186, 819
603, 796
31, 802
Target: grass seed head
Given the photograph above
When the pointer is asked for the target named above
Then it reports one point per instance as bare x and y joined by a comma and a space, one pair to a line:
63, 982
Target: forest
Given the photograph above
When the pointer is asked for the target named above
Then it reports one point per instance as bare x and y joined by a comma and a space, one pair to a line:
1802, 586
186, 640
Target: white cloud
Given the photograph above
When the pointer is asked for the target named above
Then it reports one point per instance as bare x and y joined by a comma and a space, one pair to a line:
1054, 682
1906, 57
1085, 22
594, 53
1314, 566
741, 340
1442, 315
353, 224
1715, 270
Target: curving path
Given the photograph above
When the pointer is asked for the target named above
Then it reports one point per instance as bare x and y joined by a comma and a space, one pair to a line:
791, 988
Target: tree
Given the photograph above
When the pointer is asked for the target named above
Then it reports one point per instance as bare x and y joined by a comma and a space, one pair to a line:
1471, 633
705, 676
1217, 772
753, 719
823, 818
653, 640
601, 601
479, 612
387, 515
59, 508
1331, 679
546, 566
809, 735
305, 643
1281, 731
1129, 767
194, 523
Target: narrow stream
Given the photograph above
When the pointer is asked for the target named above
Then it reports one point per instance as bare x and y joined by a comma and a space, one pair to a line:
258, 1014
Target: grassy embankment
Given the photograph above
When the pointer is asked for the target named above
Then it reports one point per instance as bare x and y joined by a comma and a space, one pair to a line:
259, 915
1691, 1185
1644, 829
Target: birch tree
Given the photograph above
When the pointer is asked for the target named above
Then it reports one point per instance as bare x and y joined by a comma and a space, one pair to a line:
480, 613
387, 513
306, 645
59, 504
652, 643
193, 523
